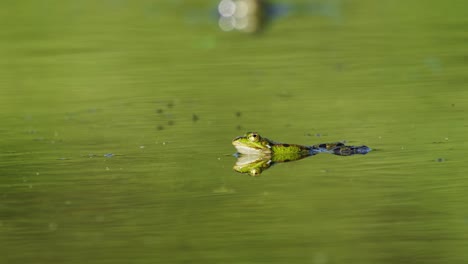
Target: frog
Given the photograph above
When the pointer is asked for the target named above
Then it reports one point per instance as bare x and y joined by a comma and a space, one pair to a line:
257, 153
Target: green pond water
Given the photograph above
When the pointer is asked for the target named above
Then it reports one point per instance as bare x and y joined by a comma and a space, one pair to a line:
117, 119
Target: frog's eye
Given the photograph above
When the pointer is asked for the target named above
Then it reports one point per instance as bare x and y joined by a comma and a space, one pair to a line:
254, 137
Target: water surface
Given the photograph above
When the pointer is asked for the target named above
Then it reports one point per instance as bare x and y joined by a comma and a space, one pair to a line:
117, 121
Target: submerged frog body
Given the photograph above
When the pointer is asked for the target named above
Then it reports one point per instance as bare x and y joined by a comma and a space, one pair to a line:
257, 153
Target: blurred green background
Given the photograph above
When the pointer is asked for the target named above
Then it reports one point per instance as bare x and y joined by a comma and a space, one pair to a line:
117, 118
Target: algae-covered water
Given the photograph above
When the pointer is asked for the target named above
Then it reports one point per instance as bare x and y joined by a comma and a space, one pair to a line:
117, 119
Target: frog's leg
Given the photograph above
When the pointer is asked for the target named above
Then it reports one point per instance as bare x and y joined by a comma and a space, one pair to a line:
350, 150
339, 148
328, 146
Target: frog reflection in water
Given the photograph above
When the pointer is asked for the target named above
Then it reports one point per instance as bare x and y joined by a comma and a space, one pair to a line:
256, 153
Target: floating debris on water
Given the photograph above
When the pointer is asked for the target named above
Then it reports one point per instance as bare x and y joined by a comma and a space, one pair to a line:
440, 160
165, 115
108, 155
238, 113
194, 118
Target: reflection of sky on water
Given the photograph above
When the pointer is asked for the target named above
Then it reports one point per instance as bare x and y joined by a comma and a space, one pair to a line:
253, 15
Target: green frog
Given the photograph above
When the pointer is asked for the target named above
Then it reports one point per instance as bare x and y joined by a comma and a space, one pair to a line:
256, 153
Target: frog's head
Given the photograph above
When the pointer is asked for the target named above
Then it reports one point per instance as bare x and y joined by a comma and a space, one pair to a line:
252, 143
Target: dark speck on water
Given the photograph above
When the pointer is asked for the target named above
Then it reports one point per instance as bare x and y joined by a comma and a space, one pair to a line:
159, 127
339, 67
285, 94
159, 111
238, 114
194, 118
440, 159
170, 105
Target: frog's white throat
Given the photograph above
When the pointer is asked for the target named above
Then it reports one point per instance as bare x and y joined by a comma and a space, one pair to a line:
250, 151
